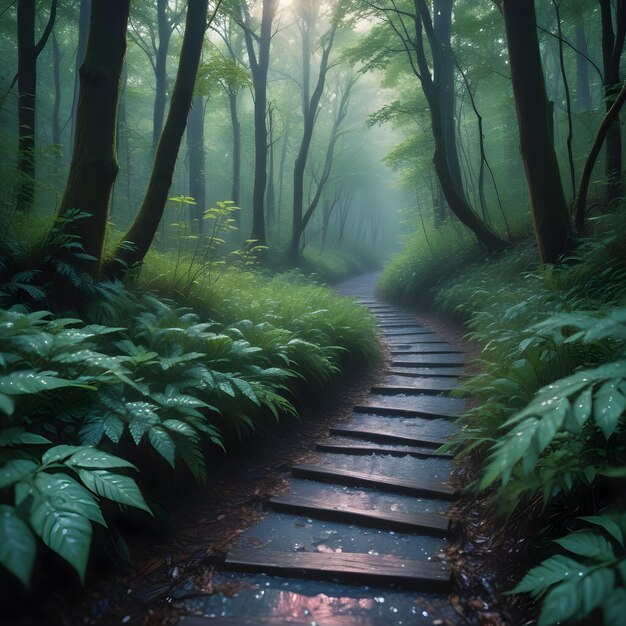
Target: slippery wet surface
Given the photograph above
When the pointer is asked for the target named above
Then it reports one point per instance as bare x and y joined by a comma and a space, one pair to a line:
314, 603
435, 383
433, 427
285, 532
436, 405
249, 598
367, 498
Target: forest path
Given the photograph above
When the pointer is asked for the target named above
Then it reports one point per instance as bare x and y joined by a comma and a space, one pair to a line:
357, 538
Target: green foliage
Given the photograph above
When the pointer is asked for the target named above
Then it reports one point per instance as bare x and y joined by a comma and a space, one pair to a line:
552, 416
426, 260
85, 400
573, 587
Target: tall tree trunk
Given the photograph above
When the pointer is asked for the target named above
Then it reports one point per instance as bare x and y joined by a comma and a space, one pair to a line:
195, 147
432, 88
56, 69
281, 171
81, 47
612, 47
583, 89
271, 187
123, 151
443, 70
135, 244
160, 72
236, 129
259, 66
27, 93
310, 104
550, 214
94, 163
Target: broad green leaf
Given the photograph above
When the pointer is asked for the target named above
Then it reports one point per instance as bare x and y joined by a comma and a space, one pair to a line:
18, 436
17, 544
544, 575
588, 543
162, 442
58, 453
577, 597
92, 457
582, 408
7, 404
609, 404
608, 524
176, 426
31, 381
245, 389
65, 532
116, 487
16, 470
64, 493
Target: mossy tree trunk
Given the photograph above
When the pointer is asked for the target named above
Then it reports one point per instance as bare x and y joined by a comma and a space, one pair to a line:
94, 162
549, 208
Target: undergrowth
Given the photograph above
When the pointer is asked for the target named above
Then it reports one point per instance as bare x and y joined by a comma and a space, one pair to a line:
130, 380
550, 424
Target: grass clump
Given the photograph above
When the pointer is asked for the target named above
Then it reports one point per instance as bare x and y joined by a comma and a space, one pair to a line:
425, 261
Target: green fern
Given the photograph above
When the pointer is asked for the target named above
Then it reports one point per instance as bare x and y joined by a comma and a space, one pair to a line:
573, 587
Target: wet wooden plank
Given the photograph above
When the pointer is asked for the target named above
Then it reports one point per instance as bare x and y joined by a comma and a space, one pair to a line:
385, 520
402, 369
399, 412
419, 338
373, 569
385, 435
435, 360
424, 348
423, 486
364, 448
406, 329
405, 384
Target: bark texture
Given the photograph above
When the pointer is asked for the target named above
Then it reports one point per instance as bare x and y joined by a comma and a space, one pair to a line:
549, 209
94, 162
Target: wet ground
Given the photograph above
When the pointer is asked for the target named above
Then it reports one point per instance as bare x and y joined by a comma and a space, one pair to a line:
387, 427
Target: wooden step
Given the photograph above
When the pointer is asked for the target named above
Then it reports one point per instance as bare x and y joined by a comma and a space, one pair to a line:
434, 360
385, 520
370, 569
400, 369
385, 435
429, 387
364, 448
424, 487
391, 411
399, 382
424, 348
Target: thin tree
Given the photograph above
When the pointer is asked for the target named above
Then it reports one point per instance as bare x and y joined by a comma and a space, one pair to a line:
421, 41
258, 47
27, 53
308, 17
549, 209
135, 244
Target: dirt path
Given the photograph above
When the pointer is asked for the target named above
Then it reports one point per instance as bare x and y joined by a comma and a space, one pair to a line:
354, 535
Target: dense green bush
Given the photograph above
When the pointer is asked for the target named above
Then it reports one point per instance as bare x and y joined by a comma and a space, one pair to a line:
132, 376
550, 425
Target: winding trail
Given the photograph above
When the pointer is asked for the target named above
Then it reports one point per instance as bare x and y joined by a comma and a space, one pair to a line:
357, 538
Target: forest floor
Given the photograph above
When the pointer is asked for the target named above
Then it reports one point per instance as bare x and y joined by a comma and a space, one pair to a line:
146, 590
